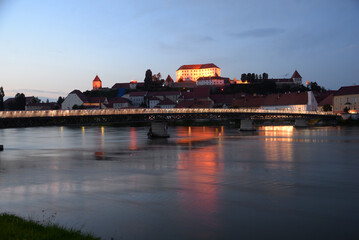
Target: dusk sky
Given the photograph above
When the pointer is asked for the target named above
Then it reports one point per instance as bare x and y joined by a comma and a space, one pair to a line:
48, 48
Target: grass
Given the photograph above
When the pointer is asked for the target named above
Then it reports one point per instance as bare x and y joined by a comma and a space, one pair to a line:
17, 228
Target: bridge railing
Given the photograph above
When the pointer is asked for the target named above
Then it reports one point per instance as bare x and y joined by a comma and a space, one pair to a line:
99, 112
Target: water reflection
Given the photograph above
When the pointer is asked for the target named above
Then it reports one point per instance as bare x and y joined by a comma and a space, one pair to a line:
189, 135
278, 146
133, 138
200, 173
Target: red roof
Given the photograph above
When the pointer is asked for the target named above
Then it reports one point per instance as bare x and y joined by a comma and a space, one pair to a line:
194, 104
166, 101
296, 75
222, 98
119, 100
328, 100
80, 95
185, 84
167, 93
121, 85
97, 99
137, 94
202, 92
198, 66
249, 102
97, 79
153, 98
347, 90
285, 99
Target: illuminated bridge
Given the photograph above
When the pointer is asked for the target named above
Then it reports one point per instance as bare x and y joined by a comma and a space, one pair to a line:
113, 116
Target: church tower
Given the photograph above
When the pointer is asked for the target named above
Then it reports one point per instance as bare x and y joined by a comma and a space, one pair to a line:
96, 83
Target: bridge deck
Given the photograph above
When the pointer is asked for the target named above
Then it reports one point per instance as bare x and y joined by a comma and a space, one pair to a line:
155, 111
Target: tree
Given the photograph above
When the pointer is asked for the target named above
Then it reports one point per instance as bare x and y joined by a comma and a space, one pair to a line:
148, 79
2, 95
60, 100
327, 108
18, 103
265, 76
313, 86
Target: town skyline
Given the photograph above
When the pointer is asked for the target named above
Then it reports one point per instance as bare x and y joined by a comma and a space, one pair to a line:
50, 48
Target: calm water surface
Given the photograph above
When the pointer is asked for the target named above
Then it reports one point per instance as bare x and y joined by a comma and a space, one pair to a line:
202, 183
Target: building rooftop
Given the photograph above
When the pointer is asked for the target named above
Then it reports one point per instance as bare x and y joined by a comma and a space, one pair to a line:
296, 75
285, 99
347, 90
197, 66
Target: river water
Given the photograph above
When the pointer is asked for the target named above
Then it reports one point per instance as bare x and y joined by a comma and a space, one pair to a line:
202, 183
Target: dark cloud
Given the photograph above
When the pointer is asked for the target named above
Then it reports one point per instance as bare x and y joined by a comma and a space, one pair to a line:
258, 33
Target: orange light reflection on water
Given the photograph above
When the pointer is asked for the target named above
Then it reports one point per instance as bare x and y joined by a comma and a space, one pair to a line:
278, 146
200, 169
133, 139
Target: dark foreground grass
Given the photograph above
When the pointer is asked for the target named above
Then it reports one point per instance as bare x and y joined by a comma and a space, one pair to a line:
14, 227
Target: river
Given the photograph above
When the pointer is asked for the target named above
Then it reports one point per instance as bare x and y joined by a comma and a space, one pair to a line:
201, 183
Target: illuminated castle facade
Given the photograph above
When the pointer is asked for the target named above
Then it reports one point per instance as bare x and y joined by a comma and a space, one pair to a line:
195, 71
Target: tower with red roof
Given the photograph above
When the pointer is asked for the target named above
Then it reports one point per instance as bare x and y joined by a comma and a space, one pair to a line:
96, 83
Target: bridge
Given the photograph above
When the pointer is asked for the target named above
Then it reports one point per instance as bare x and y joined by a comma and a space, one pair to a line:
104, 116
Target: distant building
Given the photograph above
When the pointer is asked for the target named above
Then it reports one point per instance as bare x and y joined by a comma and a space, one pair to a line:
8, 102
119, 102
41, 106
212, 81
166, 103
304, 101
325, 98
96, 83
153, 101
76, 97
169, 81
185, 84
295, 80
137, 98
346, 97
195, 71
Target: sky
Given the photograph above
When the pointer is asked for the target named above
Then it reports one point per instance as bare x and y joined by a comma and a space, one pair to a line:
50, 47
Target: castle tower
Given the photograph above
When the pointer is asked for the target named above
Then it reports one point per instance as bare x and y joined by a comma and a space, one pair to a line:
96, 83
296, 77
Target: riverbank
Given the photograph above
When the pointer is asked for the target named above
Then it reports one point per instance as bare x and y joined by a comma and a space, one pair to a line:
14, 227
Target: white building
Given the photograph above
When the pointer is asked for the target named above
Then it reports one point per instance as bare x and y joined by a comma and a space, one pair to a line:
120, 103
304, 101
137, 98
195, 71
76, 97
210, 81
153, 101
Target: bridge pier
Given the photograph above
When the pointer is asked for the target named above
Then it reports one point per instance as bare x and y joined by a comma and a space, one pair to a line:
300, 123
247, 125
158, 130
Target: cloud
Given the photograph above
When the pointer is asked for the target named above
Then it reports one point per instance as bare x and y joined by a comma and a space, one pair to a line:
258, 33
34, 91
184, 42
